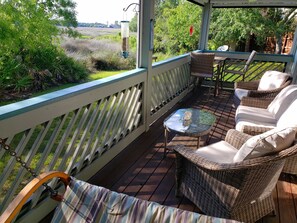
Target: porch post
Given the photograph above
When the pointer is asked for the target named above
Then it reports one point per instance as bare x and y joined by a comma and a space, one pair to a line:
145, 52
293, 52
206, 13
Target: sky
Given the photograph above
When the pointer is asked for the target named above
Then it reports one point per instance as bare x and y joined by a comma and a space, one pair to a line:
104, 11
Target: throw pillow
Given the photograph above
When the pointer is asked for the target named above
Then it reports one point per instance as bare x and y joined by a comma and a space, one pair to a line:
272, 79
268, 142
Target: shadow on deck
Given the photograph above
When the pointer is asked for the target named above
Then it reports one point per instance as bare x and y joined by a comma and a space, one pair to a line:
141, 170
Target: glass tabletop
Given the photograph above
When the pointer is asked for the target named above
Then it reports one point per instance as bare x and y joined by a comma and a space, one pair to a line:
190, 121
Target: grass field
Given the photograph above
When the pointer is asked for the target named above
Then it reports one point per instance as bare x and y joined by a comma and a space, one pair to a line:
104, 74
100, 49
94, 32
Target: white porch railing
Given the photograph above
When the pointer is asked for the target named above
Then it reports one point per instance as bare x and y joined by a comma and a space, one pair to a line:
75, 130
170, 83
80, 129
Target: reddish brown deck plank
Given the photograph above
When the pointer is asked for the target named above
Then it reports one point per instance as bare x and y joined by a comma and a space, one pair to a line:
150, 188
294, 193
286, 202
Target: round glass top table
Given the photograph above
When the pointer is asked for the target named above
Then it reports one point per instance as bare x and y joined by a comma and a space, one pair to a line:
189, 122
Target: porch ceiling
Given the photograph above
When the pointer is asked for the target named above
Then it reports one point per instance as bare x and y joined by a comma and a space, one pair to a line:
247, 3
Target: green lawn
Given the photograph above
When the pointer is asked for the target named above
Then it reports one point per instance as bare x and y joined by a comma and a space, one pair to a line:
103, 74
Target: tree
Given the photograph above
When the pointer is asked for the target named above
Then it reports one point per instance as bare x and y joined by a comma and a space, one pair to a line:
172, 27
133, 24
230, 26
30, 28
32, 22
279, 21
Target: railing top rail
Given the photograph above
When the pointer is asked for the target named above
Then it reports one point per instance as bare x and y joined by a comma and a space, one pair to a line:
10, 110
170, 60
259, 56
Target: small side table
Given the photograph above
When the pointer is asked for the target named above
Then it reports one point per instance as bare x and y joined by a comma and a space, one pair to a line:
189, 122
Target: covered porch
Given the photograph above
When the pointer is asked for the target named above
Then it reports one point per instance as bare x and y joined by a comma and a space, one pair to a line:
145, 174
115, 126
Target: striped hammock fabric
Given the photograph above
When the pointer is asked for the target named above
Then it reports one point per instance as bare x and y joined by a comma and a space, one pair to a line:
84, 202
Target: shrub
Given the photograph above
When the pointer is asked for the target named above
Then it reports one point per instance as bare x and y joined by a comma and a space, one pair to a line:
29, 60
112, 61
39, 68
62, 68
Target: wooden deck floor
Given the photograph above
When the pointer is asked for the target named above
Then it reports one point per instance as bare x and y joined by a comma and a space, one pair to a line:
141, 170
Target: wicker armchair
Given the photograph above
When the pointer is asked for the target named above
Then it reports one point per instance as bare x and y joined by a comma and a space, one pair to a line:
282, 108
250, 89
256, 115
240, 191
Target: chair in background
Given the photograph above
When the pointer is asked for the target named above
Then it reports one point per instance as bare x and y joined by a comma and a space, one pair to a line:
240, 67
270, 84
232, 178
223, 48
201, 67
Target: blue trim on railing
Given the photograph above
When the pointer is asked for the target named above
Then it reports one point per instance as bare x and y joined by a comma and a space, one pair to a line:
247, 53
10, 110
170, 60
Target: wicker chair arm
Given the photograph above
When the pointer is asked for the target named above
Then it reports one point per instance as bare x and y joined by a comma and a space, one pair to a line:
269, 93
256, 102
255, 130
264, 94
236, 138
250, 85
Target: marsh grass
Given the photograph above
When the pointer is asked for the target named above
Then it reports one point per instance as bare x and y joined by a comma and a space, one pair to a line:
100, 49
95, 32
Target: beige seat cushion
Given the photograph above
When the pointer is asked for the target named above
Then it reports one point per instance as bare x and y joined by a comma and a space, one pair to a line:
268, 142
272, 79
254, 114
220, 152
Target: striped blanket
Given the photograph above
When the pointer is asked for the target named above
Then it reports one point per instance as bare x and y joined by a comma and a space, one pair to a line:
84, 202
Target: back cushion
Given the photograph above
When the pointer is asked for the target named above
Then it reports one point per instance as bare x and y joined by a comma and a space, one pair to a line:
283, 100
202, 62
268, 142
272, 79
289, 117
